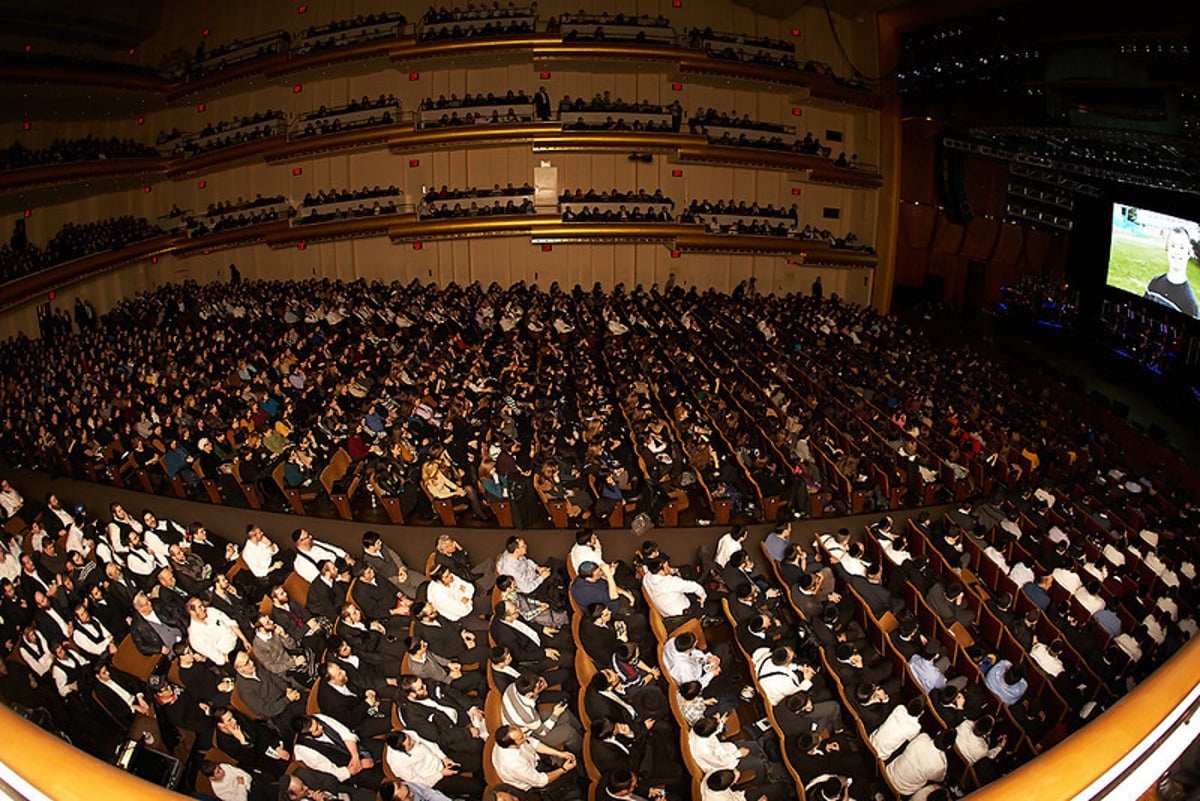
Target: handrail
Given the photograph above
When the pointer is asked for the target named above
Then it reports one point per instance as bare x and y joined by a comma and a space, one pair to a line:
58, 770
1071, 767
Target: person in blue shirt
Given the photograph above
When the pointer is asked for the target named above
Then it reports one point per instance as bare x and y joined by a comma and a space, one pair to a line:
928, 669
1039, 591
1007, 682
776, 542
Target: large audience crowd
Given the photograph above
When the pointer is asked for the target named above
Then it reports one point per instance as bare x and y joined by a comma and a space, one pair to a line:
921, 659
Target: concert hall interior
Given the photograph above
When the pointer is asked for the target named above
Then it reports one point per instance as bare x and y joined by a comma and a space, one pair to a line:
645, 400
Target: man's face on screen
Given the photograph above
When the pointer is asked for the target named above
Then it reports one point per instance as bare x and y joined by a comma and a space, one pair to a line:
1179, 251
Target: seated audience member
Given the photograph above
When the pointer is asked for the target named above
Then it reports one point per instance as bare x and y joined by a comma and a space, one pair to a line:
556, 727
412, 758
325, 745
922, 762
1007, 682
267, 696
527, 765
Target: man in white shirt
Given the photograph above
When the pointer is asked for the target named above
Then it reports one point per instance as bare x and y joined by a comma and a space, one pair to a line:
675, 598
454, 598
229, 782
922, 762
778, 675
212, 633
901, 726
587, 548
719, 786
262, 557
1048, 657
711, 753
684, 661
515, 758
971, 740
1089, 598
310, 553
419, 761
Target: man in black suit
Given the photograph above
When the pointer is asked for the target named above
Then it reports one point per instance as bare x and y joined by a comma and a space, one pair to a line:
445, 716
541, 104
297, 621
118, 695
451, 555
327, 594
599, 634
907, 638
618, 745
359, 708
268, 696
446, 638
947, 601
876, 596
533, 647
380, 600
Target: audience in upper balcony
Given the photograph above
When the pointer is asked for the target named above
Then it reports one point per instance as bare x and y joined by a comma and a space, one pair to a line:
72, 241
639, 206
65, 151
204, 60
230, 214
386, 201
259, 125
496, 201
513, 107
324, 120
345, 32
457, 23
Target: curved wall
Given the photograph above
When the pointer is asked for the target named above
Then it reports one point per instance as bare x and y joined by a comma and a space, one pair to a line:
505, 260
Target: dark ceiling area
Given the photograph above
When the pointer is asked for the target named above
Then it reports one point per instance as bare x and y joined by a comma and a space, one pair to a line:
122, 24
1092, 89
